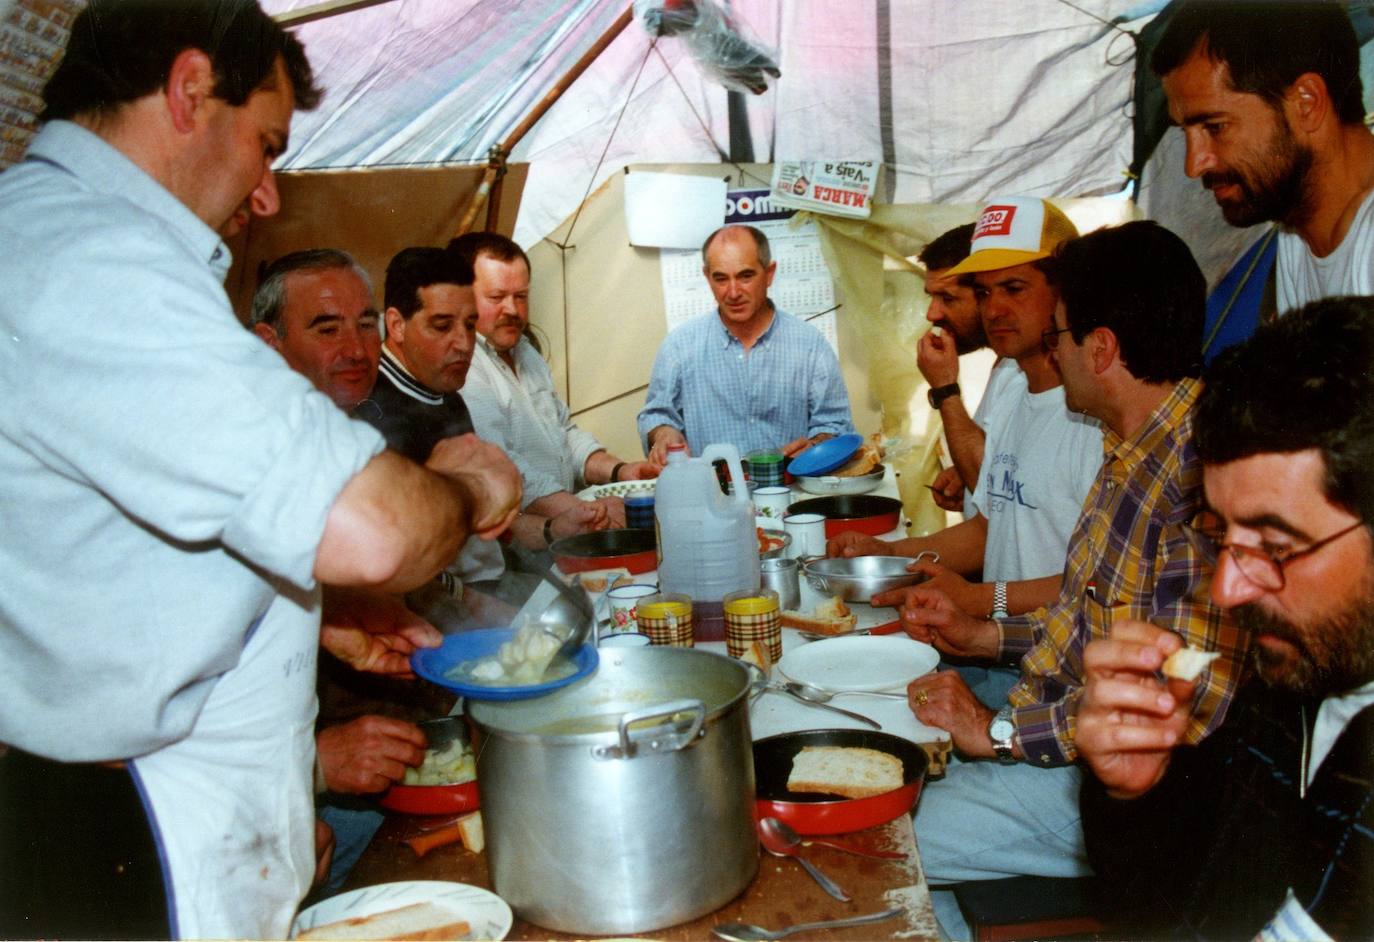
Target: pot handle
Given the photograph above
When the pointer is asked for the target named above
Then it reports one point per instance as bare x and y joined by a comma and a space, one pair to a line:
664, 737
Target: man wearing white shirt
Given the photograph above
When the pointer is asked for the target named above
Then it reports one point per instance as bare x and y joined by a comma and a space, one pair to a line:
1269, 99
1267, 826
185, 496
511, 395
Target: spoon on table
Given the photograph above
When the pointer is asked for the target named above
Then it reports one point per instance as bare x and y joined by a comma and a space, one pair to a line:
744, 932
819, 696
773, 843
783, 688
783, 834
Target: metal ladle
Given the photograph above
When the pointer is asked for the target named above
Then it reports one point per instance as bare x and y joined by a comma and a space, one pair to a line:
778, 847
744, 932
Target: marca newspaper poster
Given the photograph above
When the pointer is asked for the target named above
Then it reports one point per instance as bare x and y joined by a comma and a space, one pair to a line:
802, 287
837, 187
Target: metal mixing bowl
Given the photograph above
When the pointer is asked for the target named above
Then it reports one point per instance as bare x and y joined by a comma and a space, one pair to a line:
859, 578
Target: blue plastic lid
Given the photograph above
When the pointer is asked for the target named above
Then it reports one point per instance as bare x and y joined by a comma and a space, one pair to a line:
825, 456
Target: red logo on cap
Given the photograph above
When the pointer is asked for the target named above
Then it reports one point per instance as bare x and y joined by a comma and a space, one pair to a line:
995, 221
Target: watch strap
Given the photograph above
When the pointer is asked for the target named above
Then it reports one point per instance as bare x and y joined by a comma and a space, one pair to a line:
999, 600
1002, 747
939, 394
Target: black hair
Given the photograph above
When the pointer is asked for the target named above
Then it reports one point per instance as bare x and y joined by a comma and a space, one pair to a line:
1304, 381
1265, 46
1140, 281
123, 50
947, 249
470, 245
419, 267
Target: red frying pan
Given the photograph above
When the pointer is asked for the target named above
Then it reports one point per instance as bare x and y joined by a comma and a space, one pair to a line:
865, 513
827, 814
634, 549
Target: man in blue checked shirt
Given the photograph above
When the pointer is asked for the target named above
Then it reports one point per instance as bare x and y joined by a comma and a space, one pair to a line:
752, 376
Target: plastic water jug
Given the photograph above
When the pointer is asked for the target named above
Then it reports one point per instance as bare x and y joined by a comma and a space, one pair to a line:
707, 545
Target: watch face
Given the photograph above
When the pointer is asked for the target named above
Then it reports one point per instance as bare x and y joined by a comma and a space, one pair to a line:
1001, 729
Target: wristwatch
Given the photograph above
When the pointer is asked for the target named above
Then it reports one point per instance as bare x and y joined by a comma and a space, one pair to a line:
999, 600
1001, 730
940, 393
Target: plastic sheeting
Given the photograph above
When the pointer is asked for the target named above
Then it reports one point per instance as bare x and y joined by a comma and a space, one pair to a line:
959, 98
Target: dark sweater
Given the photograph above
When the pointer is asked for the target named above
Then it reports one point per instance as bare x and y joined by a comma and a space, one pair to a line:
411, 417
1211, 851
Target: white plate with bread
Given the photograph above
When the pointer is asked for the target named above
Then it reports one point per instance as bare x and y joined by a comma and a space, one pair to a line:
859, 662
415, 909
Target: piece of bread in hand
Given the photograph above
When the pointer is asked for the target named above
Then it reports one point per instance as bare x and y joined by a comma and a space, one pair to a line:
418, 921
850, 771
831, 617
1188, 663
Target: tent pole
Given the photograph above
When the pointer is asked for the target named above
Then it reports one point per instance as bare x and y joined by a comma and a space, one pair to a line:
321, 11
491, 180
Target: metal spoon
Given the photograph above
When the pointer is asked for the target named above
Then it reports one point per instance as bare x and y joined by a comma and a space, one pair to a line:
780, 688
817, 695
744, 932
782, 833
780, 848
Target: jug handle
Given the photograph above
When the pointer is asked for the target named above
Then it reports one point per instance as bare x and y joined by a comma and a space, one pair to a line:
730, 454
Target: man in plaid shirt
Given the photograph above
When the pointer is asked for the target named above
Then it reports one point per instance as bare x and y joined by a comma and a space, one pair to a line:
1127, 337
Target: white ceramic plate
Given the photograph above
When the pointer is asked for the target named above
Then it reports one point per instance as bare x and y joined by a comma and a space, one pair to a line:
863, 662
618, 489
484, 911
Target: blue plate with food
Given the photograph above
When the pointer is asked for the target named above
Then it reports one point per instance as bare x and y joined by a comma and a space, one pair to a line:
825, 456
502, 663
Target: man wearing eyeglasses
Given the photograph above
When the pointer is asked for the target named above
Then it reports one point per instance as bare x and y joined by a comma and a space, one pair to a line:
1126, 336
1269, 823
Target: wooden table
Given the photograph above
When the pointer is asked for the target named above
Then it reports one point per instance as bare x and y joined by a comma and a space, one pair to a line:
780, 895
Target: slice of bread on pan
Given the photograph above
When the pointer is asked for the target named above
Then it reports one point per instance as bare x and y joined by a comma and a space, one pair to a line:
418, 921
849, 771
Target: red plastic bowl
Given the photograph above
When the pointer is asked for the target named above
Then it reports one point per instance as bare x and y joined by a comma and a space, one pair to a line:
865, 513
430, 799
809, 813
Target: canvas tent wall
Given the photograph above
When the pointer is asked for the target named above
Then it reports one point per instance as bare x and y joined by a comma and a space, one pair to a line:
959, 99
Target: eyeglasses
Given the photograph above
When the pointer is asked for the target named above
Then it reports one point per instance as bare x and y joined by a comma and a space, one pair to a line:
1050, 337
1263, 568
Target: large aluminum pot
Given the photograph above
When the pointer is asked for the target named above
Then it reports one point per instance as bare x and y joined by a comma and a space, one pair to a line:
622, 803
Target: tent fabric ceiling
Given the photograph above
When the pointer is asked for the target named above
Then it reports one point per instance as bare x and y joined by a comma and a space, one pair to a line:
961, 99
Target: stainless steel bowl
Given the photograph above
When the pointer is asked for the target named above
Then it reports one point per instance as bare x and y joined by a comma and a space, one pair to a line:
779, 551
833, 484
859, 578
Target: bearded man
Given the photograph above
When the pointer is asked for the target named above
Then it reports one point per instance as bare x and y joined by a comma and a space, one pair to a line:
1269, 99
1268, 825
